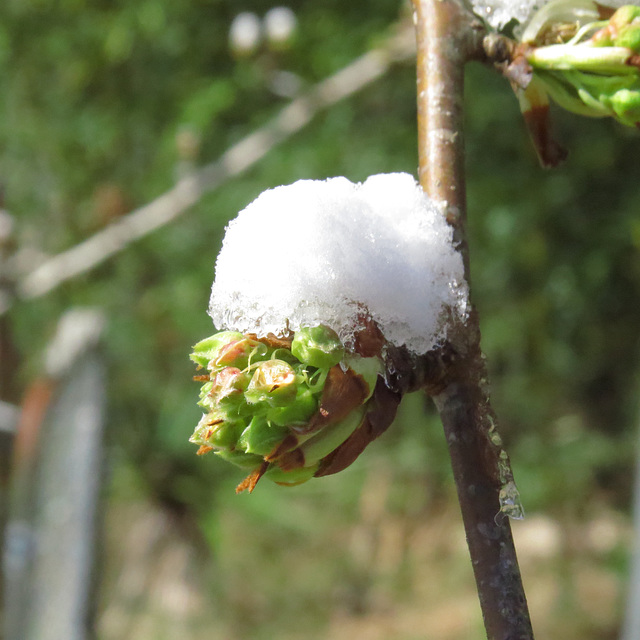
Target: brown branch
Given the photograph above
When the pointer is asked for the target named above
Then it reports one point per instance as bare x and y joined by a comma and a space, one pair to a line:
448, 37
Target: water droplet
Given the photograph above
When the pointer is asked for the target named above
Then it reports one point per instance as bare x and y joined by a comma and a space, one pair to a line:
510, 503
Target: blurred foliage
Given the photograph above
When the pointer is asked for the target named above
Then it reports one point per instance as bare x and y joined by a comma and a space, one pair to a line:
105, 103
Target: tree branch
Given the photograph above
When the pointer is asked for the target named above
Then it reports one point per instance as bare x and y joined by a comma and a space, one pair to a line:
448, 36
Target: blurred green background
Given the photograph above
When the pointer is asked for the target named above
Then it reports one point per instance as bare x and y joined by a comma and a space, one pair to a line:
103, 105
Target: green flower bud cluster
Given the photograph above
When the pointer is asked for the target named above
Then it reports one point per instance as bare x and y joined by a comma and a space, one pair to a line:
621, 30
276, 406
597, 72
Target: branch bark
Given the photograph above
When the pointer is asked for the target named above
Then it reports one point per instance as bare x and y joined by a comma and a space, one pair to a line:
448, 36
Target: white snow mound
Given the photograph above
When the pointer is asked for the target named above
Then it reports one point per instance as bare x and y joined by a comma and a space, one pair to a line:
323, 251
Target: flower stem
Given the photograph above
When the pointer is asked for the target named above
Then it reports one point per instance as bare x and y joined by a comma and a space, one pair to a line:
448, 37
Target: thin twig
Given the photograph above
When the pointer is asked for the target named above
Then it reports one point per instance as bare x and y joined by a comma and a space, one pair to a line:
447, 38
239, 158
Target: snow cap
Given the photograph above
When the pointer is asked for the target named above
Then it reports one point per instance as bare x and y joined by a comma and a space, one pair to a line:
323, 251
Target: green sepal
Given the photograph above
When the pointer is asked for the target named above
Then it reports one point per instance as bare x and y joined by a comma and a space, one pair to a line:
594, 96
318, 347
205, 350
293, 477
331, 437
600, 108
240, 458
215, 431
626, 104
261, 437
566, 95
206, 401
617, 96
625, 15
296, 413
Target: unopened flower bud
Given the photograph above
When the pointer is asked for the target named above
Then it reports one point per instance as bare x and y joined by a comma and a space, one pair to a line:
594, 71
228, 386
208, 349
238, 353
624, 26
317, 346
216, 431
629, 37
626, 105
273, 382
280, 417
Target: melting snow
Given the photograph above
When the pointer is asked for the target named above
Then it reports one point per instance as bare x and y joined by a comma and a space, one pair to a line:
322, 251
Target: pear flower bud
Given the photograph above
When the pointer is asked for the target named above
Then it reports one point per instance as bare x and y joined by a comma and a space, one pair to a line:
216, 431
227, 348
317, 346
282, 415
622, 30
207, 350
306, 376
595, 70
238, 353
228, 387
273, 382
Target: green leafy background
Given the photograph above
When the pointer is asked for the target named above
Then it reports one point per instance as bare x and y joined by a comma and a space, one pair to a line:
94, 98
